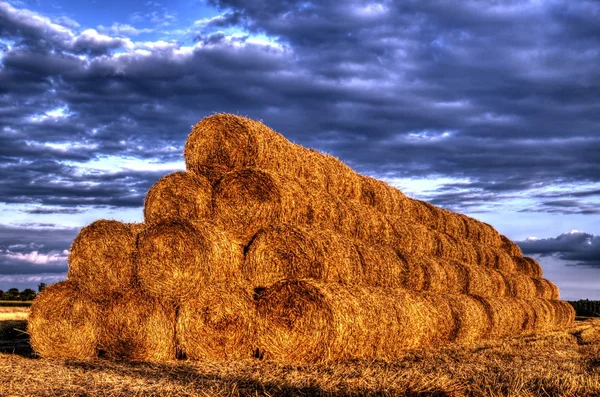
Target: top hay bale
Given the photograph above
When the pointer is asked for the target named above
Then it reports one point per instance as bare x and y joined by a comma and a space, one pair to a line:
223, 142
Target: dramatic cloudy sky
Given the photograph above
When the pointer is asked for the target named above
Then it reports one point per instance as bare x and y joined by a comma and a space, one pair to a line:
490, 108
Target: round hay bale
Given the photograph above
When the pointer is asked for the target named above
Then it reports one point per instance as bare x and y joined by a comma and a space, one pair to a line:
545, 289
248, 200
509, 247
413, 238
351, 219
176, 259
383, 197
222, 143
515, 316
483, 281
527, 266
63, 323
383, 266
218, 324
494, 258
470, 314
435, 277
520, 286
341, 180
180, 195
100, 261
309, 322
424, 213
285, 251
453, 225
137, 327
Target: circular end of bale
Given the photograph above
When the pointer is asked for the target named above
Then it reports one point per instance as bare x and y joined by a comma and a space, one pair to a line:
218, 324
176, 259
283, 252
246, 201
100, 261
295, 322
64, 323
220, 143
180, 195
138, 328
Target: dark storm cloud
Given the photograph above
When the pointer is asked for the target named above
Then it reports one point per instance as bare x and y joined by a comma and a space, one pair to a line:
502, 94
580, 248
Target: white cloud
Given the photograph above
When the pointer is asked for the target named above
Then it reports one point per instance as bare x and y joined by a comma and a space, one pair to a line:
38, 258
119, 29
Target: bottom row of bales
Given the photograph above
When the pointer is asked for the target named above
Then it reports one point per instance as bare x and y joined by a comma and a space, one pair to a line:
290, 322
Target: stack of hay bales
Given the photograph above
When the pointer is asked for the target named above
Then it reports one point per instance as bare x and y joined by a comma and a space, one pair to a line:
264, 248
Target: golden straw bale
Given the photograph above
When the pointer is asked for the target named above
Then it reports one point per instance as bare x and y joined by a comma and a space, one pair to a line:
520, 286
218, 324
311, 169
523, 286
180, 195
545, 289
385, 198
341, 180
101, 261
510, 247
423, 213
413, 238
451, 224
138, 328
63, 323
286, 251
249, 199
351, 219
222, 143
306, 322
434, 274
384, 266
527, 266
471, 317
514, 316
494, 258
175, 259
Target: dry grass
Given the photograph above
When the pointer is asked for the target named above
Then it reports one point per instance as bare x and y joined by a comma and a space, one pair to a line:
562, 363
14, 313
101, 260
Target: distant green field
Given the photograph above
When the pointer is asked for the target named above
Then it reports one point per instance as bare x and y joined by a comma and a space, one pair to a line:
15, 303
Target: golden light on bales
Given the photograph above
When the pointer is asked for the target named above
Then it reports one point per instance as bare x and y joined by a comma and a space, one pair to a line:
101, 258
264, 248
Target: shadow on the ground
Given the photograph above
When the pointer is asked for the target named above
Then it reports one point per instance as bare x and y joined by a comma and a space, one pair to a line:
14, 338
199, 378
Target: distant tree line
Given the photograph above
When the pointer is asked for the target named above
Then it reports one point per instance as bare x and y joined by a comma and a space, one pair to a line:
586, 308
13, 294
